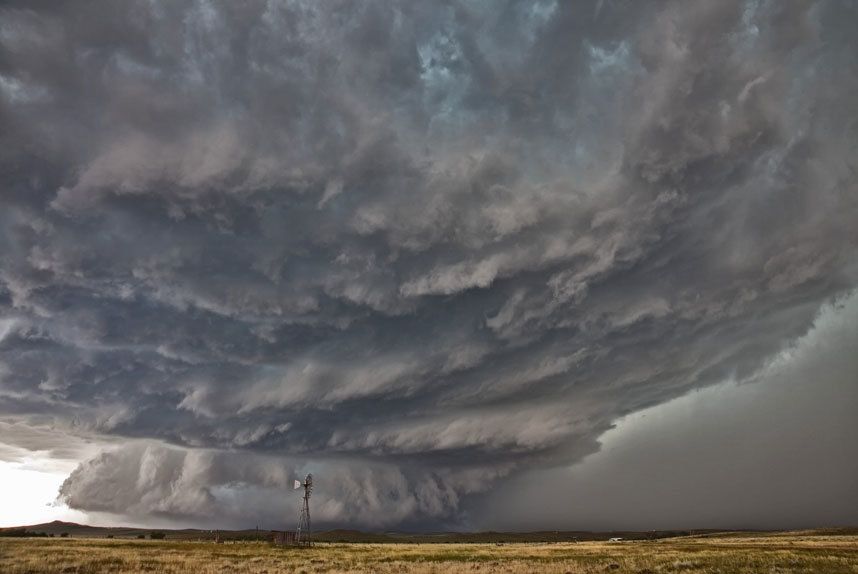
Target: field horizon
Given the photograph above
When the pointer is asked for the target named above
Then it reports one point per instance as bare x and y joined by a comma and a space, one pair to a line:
352, 535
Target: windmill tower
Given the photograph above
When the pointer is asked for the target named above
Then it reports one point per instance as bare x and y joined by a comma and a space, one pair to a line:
304, 532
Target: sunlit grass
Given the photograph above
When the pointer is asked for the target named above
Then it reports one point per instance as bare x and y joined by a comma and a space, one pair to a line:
776, 554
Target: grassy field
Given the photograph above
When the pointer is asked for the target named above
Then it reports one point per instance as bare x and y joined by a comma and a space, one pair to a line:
773, 554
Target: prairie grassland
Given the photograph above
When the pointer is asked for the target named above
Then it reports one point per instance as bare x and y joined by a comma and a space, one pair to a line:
776, 554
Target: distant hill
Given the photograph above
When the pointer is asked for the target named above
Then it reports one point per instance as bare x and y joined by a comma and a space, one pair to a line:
58, 528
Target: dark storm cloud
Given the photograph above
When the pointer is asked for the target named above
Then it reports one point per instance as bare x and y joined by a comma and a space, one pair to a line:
775, 452
412, 244
147, 479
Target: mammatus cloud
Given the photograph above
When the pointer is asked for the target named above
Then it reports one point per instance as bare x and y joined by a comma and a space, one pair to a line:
412, 248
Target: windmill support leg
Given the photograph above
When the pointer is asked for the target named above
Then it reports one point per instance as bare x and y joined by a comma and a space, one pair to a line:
304, 533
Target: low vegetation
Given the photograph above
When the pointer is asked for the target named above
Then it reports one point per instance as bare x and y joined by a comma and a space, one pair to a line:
774, 553
22, 533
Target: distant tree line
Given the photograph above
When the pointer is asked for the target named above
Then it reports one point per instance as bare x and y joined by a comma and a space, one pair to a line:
24, 533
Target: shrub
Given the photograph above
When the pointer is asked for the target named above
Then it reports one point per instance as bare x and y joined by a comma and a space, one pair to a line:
141, 536
64, 535
157, 535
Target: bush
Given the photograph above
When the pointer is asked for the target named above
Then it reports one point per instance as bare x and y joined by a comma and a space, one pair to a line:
157, 535
110, 535
64, 535
141, 536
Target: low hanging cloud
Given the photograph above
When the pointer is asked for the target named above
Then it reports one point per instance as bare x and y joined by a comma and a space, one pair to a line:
412, 248
149, 479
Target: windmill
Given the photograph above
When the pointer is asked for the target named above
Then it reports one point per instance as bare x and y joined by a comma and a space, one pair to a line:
303, 534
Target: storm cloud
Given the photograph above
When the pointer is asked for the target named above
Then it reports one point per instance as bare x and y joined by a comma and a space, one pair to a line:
414, 248
775, 451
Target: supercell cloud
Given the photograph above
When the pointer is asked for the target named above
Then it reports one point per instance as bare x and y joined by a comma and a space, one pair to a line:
414, 248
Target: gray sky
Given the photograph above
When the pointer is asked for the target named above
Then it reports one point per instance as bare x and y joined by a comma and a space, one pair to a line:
474, 265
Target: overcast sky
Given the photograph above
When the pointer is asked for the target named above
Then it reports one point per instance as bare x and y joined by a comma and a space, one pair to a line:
484, 265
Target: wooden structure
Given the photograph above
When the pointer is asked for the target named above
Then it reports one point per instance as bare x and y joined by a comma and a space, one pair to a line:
281, 537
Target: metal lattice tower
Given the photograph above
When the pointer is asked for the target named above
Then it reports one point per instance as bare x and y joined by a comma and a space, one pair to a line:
304, 533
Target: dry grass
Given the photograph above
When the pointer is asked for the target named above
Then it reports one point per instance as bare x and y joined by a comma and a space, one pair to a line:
774, 554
